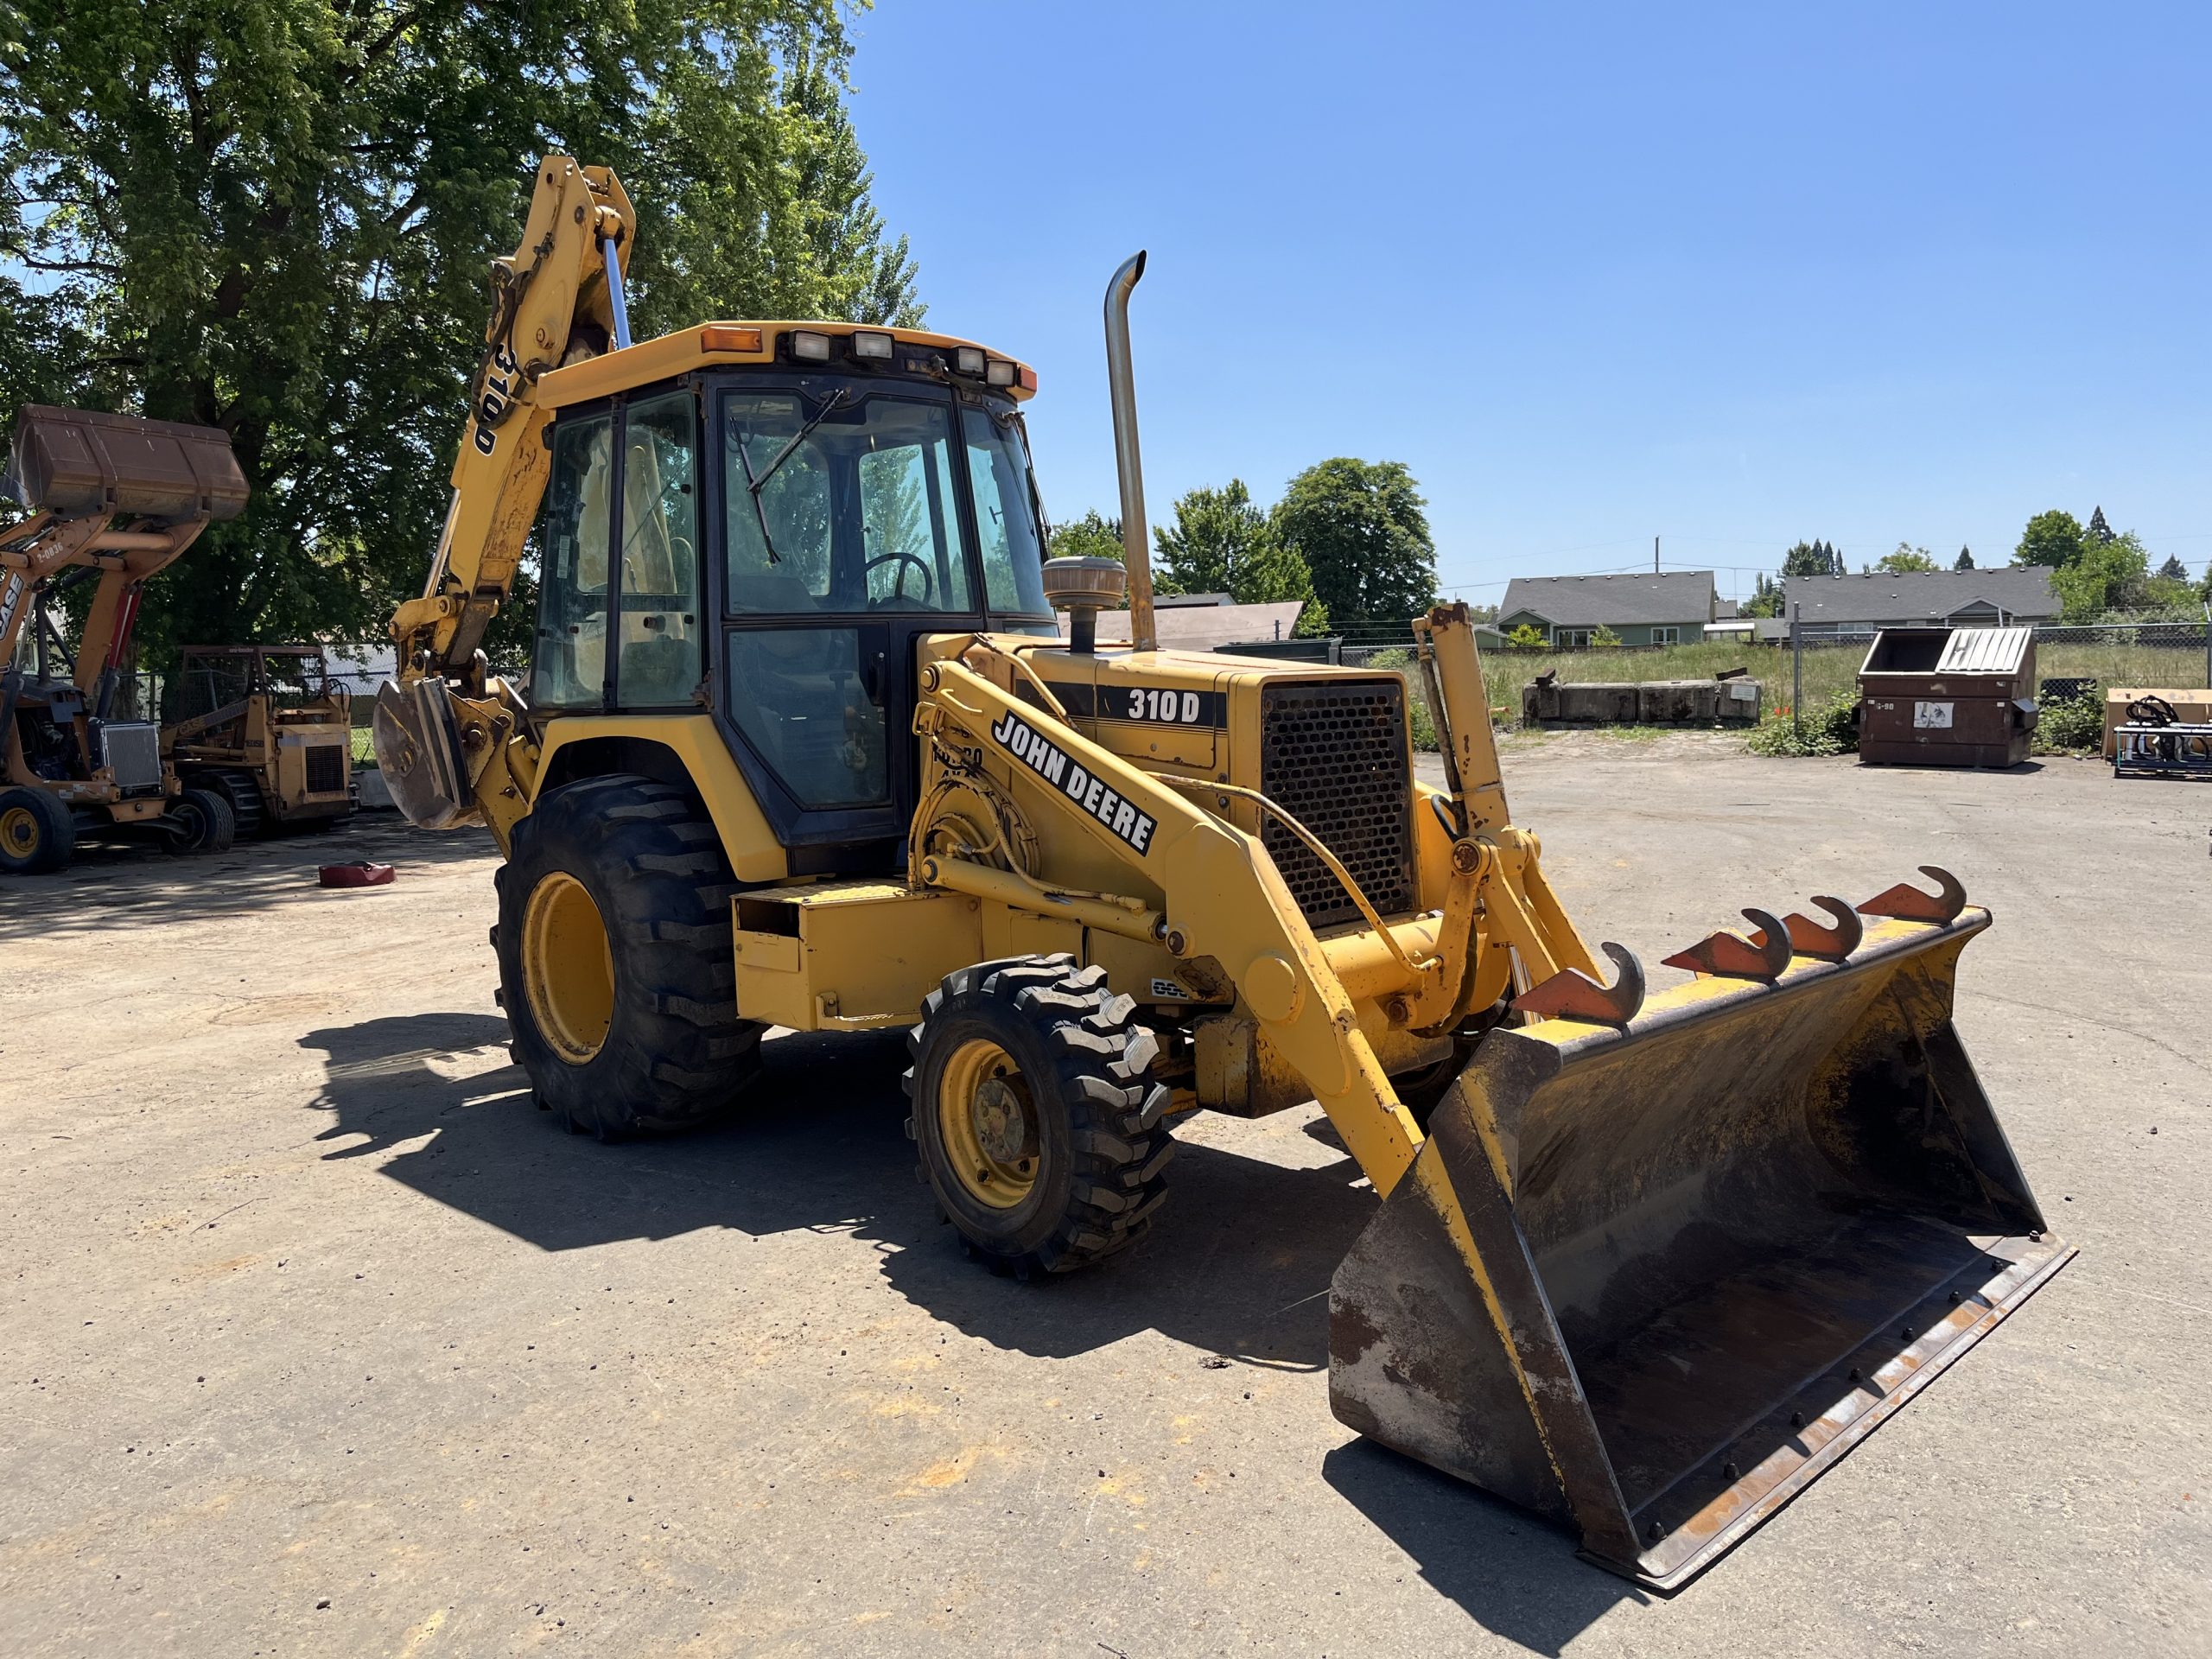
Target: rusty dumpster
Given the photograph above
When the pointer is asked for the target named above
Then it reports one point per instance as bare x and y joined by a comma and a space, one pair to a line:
1947, 697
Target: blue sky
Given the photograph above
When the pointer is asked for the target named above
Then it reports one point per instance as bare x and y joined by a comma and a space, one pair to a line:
1732, 275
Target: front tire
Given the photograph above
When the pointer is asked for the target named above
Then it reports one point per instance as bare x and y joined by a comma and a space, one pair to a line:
200, 821
616, 965
1035, 1114
37, 835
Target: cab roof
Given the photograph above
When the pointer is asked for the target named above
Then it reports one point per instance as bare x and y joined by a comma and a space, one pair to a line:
761, 344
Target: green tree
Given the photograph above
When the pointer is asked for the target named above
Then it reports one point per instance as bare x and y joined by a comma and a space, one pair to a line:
1092, 535
1812, 559
2173, 569
1907, 558
274, 216
1965, 561
1220, 542
2108, 576
1361, 529
2099, 529
2052, 539
1765, 600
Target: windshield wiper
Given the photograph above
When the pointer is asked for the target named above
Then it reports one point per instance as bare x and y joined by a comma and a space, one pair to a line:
835, 400
752, 488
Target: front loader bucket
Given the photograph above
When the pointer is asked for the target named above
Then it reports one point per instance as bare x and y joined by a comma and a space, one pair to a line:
80, 461
1651, 1277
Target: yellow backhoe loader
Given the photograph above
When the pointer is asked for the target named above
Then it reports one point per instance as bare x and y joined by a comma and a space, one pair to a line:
73, 760
802, 745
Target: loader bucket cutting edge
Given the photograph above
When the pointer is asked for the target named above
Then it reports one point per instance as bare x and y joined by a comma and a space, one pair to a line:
1652, 1281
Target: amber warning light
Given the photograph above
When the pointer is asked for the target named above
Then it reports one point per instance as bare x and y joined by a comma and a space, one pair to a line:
721, 337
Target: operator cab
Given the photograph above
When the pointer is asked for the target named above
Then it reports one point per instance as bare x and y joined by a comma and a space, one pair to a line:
794, 516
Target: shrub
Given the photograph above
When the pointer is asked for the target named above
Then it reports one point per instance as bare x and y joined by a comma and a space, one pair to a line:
1527, 637
2070, 724
1605, 639
1831, 726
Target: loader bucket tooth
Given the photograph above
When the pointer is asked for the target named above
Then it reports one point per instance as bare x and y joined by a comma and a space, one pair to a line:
1573, 994
1652, 1279
1908, 903
1809, 939
1764, 955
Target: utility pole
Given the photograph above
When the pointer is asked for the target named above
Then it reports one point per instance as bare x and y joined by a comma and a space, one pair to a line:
1797, 675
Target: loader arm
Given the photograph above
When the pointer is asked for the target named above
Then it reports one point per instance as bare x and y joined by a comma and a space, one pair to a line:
1225, 900
551, 302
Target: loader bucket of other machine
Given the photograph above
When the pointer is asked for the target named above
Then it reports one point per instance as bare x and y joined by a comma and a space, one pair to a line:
74, 462
1658, 1267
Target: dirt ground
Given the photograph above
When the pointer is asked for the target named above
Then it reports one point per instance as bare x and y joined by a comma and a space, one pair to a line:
320, 1340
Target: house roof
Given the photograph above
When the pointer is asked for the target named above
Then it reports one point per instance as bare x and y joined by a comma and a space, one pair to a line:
1202, 627
1920, 595
1584, 601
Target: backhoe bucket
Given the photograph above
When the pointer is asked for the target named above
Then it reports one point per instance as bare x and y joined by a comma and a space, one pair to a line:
1657, 1267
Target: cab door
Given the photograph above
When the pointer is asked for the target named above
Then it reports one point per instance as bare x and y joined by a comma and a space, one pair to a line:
844, 536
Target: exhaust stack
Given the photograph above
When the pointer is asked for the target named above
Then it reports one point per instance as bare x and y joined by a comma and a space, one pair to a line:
1121, 379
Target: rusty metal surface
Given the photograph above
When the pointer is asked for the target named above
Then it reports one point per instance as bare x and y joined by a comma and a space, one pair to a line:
1911, 903
1573, 994
1653, 1276
1763, 955
80, 461
1831, 943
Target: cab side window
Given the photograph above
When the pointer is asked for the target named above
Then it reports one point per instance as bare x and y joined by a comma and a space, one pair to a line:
663, 655
567, 666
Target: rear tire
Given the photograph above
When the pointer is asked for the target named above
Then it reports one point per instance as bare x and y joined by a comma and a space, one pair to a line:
37, 834
200, 821
1035, 1114
616, 966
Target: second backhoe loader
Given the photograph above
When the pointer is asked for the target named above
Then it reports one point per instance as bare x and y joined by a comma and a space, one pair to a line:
802, 743
75, 760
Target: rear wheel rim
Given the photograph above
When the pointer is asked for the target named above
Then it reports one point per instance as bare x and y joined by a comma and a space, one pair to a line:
19, 833
568, 967
987, 1123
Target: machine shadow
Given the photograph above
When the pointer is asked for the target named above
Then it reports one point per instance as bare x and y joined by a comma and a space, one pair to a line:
1236, 1263
1512, 1573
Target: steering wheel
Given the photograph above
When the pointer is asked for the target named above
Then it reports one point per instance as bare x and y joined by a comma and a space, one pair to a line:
899, 590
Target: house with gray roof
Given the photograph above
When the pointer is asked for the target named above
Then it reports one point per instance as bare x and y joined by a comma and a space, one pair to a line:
1652, 608
1959, 599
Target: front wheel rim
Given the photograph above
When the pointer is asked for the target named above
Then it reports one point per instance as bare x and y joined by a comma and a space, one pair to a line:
986, 1123
19, 831
568, 967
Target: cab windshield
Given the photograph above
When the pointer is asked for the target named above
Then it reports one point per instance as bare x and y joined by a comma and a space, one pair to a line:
842, 497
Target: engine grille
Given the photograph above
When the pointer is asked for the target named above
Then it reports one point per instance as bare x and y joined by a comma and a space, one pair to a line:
326, 769
1333, 756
